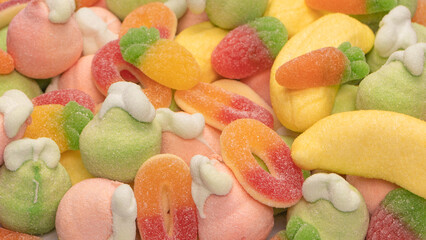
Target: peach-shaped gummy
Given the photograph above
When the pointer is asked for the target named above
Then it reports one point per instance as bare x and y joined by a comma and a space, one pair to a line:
42, 49
108, 67
235, 215
163, 196
163, 60
155, 15
80, 77
85, 210
207, 145
219, 106
11, 235
282, 187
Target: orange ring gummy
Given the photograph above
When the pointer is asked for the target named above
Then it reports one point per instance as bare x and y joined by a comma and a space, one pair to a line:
282, 187
163, 196
219, 106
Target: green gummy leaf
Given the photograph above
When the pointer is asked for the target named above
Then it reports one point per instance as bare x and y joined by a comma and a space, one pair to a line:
373, 6
344, 46
354, 54
297, 229
272, 33
409, 207
76, 118
359, 69
136, 42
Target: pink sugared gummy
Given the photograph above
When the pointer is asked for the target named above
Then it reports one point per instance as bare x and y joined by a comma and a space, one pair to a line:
64, 96
79, 76
42, 49
241, 54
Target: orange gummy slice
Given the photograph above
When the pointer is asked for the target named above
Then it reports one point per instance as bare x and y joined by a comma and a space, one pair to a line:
282, 187
219, 106
163, 196
322, 67
7, 64
11, 235
155, 15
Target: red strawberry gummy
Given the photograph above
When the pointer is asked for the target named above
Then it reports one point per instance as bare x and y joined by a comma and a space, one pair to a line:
249, 48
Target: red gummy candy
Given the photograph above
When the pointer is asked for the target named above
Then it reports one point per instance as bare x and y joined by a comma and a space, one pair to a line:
241, 54
64, 96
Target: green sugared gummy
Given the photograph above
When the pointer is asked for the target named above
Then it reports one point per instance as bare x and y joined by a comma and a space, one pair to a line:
272, 33
76, 118
409, 207
373, 6
297, 229
29, 196
136, 42
358, 65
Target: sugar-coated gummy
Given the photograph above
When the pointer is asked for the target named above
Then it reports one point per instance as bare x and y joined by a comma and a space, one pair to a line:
136, 42
76, 118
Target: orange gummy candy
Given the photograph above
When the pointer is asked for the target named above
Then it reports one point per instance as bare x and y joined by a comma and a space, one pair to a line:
155, 15
322, 67
163, 196
85, 3
420, 15
282, 187
343, 6
7, 64
6, 234
219, 106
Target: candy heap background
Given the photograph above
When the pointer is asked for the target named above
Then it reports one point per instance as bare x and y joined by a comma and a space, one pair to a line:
124, 119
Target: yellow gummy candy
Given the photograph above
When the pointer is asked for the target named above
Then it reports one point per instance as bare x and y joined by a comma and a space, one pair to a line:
297, 110
71, 160
201, 39
369, 143
47, 121
182, 71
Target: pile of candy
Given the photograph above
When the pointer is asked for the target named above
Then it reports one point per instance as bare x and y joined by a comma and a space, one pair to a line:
207, 119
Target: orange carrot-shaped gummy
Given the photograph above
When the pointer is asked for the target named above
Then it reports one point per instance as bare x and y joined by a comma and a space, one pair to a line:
352, 6
323, 67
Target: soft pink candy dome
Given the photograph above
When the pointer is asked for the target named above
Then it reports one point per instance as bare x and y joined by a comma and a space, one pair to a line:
42, 49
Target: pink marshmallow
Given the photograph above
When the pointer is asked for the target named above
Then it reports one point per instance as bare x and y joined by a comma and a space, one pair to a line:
187, 148
260, 84
80, 77
85, 210
109, 18
42, 49
373, 190
4, 139
235, 215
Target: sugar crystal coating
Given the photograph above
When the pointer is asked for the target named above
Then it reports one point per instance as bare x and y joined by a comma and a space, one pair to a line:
136, 42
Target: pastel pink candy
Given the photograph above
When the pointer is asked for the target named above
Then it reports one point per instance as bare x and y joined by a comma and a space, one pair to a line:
187, 148
42, 49
79, 76
373, 190
108, 17
190, 19
260, 84
4, 139
235, 215
85, 210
